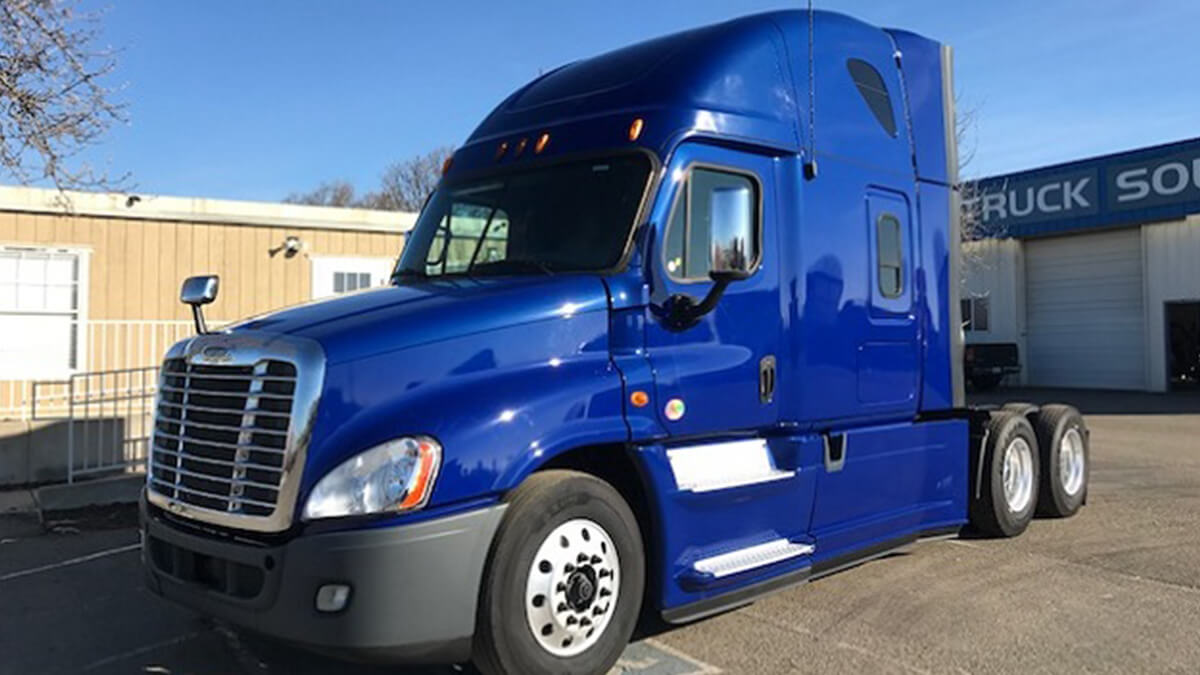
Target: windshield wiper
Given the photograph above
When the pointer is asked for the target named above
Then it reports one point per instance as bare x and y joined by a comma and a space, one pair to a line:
408, 274
512, 265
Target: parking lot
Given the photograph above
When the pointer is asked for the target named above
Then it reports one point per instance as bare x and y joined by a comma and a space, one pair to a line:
1115, 589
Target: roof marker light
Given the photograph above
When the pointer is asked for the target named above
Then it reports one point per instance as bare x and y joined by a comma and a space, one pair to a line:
447, 164
501, 149
635, 129
520, 147
542, 142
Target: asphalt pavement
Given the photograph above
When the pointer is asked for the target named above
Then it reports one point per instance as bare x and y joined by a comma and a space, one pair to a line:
1115, 589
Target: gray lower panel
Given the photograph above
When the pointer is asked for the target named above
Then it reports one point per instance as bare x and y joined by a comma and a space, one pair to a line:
414, 596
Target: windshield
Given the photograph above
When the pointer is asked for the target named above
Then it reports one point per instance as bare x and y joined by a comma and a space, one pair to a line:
571, 217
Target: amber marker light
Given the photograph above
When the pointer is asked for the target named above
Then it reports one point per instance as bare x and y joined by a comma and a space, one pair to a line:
542, 142
639, 399
447, 164
501, 149
635, 129
520, 147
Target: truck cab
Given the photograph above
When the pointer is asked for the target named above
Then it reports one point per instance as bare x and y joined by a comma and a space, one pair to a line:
678, 327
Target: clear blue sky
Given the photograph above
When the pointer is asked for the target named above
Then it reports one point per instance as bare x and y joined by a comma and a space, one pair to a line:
252, 100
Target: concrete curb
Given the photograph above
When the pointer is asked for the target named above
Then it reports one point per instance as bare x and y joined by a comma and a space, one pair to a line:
99, 492
17, 501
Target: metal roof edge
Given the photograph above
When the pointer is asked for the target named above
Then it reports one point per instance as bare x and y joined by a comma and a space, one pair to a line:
201, 210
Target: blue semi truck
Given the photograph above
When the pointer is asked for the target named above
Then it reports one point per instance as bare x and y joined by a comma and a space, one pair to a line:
678, 328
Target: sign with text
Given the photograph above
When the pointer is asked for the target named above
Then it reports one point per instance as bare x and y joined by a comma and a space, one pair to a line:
1101, 192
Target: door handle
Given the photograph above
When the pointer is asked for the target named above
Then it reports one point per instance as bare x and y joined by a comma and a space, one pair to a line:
766, 379
835, 452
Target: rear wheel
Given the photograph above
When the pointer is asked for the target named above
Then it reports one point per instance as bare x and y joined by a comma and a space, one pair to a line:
1063, 439
564, 582
1008, 493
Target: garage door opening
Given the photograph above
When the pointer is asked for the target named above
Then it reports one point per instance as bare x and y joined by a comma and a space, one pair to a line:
1183, 345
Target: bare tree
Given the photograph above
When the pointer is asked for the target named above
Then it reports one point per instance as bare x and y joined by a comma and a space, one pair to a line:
405, 185
53, 102
329, 193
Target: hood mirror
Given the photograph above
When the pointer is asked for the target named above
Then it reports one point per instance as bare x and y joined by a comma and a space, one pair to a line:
197, 292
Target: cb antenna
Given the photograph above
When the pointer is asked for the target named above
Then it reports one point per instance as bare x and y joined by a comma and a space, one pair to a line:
810, 166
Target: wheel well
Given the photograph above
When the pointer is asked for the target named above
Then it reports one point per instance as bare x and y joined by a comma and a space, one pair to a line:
613, 464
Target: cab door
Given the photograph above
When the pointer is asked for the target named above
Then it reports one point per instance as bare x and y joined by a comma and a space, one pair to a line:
736, 487
717, 374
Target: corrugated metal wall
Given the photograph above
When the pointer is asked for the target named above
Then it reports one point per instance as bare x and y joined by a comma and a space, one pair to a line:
1084, 311
992, 268
137, 265
1172, 253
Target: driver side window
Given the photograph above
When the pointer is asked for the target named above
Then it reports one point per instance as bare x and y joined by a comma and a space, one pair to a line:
709, 201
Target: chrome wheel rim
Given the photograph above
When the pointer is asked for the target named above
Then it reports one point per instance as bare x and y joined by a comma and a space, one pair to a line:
1071, 462
572, 588
1018, 475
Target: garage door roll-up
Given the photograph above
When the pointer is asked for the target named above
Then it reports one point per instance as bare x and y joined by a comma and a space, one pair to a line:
1086, 325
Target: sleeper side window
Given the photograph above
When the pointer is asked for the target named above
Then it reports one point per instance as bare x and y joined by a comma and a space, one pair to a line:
890, 256
874, 92
710, 200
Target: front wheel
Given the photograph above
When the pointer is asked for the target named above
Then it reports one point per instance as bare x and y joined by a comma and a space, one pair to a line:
564, 581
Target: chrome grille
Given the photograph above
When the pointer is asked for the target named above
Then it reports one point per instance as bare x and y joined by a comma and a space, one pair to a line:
221, 435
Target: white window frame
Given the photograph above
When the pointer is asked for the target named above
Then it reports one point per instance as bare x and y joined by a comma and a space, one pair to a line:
325, 266
11, 371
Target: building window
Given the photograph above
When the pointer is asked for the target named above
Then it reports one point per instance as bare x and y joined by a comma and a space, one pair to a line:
334, 275
975, 314
890, 254
41, 294
874, 92
346, 282
710, 200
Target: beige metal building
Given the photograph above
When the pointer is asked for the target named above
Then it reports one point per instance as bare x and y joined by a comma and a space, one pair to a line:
90, 282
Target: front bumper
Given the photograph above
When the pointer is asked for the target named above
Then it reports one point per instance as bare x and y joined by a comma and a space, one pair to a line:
414, 587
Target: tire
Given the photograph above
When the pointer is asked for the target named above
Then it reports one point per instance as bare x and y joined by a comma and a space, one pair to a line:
555, 521
1020, 408
1066, 463
1011, 449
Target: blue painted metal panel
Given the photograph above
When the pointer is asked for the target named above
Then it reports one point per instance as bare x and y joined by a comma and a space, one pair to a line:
699, 525
897, 480
1118, 190
921, 63
713, 366
505, 373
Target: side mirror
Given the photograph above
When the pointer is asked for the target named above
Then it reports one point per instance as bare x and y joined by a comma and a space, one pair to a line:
732, 245
197, 292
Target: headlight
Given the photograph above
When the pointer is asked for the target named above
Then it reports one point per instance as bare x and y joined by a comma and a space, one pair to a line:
395, 476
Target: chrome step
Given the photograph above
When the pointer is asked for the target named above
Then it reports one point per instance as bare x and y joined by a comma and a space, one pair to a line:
752, 557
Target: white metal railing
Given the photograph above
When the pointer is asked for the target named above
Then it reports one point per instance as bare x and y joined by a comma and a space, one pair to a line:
104, 345
109, 417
